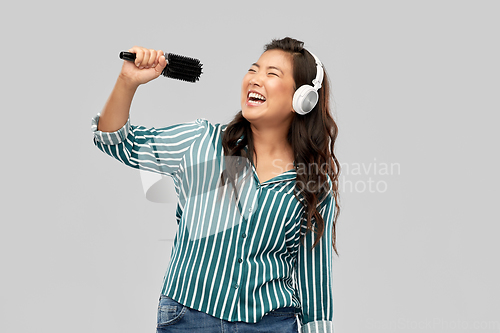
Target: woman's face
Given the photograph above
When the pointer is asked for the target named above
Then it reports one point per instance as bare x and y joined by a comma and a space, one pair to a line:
267, 89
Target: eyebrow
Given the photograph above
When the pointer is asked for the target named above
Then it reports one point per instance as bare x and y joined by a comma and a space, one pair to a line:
272, 67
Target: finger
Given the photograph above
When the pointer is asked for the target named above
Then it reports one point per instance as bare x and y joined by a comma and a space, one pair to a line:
145, 58
152, 58
159, 53
139, 54
162, 62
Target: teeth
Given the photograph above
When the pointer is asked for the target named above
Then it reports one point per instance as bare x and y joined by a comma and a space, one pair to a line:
255, 95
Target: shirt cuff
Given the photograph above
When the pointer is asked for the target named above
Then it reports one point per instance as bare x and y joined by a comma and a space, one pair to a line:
320, 326
110, 138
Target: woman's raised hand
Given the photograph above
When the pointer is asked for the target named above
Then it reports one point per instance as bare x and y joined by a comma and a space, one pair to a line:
148, 65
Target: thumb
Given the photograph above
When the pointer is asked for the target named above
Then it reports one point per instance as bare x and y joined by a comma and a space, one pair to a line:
162, 63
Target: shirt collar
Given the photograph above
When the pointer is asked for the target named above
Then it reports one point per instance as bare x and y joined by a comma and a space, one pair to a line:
285, 176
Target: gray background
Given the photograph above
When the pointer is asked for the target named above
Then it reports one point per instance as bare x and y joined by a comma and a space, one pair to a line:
415, 84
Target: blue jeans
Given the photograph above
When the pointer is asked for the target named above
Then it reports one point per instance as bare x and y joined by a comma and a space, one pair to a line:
175, 317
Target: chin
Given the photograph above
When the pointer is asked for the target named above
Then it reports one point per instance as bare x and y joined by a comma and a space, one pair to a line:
249, 115
252, 110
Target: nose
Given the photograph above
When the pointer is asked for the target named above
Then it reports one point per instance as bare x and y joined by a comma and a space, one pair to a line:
255, 80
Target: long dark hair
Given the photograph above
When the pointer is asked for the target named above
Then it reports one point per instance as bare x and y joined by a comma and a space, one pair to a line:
312, 137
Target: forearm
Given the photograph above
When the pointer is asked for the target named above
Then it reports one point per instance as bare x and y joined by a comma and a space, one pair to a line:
117, 108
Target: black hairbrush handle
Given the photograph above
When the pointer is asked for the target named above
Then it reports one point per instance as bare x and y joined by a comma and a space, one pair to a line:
178, 67
127, 56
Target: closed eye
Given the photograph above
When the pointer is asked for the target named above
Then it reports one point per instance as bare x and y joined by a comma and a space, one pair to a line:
273, 74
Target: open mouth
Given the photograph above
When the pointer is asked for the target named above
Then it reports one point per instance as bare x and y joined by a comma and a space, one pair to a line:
255, 98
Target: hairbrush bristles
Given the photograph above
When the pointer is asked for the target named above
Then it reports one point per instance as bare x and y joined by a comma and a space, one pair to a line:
182, 68
178, 67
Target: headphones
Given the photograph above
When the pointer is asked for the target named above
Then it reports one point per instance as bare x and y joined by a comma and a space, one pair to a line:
306, 97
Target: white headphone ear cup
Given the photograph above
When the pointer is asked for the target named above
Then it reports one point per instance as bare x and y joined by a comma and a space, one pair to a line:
305, 99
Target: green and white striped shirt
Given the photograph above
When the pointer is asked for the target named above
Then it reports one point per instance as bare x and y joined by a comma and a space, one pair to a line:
233, 258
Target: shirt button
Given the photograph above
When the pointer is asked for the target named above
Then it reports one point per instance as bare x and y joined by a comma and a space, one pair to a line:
250, 209
244, 235
240, 260
236, 286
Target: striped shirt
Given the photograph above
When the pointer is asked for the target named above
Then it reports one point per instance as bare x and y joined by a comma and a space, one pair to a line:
234, 258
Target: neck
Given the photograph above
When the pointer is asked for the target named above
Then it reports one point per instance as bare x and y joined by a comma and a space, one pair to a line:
271, 141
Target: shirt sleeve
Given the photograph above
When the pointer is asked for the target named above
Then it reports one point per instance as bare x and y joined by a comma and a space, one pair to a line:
315, 275
157, 150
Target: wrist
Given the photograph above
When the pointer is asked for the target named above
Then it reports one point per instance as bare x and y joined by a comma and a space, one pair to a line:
127, 83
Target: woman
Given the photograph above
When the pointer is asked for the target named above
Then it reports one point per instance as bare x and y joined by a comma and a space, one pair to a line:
256, 239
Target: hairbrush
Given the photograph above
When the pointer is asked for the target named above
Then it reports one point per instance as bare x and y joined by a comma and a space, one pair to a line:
178, 67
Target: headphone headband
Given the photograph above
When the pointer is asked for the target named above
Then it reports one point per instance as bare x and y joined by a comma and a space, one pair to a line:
306, 97
319, 73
